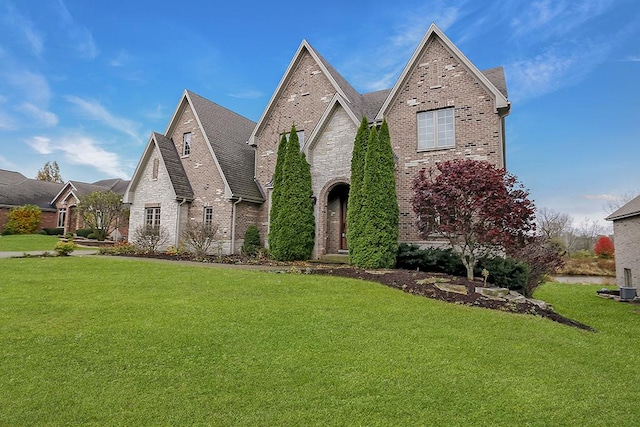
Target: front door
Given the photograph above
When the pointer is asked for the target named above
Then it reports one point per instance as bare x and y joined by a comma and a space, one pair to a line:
344, 201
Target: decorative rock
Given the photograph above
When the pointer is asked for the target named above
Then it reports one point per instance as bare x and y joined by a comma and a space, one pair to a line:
493, 292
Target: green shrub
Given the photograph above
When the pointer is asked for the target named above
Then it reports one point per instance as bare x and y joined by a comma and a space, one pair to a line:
92, 236
24, 219
119, 249
53, 231
434, 260
7, 232
504, 272
65, 248
83, 232
251, 245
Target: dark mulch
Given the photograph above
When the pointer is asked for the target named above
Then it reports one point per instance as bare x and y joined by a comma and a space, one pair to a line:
424, 284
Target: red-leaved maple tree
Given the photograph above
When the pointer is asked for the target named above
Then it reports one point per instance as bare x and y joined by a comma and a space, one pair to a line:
604, 247
480, 209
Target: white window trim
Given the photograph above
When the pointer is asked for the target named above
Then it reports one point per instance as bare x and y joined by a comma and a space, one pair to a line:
434, 116
300, 134
186, 144
205, 220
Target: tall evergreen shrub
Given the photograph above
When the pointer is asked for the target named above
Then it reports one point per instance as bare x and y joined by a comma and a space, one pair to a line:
294, 222
355, 225
276, 197
378, 244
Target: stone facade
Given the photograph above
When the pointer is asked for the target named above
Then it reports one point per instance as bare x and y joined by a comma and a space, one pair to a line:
627, 236
158, 192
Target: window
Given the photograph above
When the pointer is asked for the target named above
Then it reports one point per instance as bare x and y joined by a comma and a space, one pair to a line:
436, 130
62, 213
152, 217
186, 144
628, 280
300, 134
156, 165
208, 215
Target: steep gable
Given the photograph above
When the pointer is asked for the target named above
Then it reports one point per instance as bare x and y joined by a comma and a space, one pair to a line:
434, 34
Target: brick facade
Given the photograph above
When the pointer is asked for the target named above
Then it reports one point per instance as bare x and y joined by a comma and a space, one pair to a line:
439, 79
627, 236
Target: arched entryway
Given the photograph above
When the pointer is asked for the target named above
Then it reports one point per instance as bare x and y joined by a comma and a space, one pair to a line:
336, 219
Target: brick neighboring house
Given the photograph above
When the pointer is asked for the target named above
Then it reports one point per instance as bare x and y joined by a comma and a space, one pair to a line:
67, 199
442, 107
626, 232
17, 190
200, 169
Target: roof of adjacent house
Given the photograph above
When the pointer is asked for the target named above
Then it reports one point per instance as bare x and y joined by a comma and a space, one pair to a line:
18, 190
172, 162
227, 133
632, 208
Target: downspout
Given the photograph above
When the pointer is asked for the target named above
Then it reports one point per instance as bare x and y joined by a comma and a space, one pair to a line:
233, 226
177, 242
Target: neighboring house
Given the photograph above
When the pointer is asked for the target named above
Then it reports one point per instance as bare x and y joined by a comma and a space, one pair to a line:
626, 233
17, 190
200, 169
442, 107
66, 203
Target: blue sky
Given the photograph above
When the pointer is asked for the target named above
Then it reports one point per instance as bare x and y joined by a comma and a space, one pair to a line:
84, 82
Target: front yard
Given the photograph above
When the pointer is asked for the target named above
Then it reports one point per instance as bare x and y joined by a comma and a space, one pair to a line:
111, 341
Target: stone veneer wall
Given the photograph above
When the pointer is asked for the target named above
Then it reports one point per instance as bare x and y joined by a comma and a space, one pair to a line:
149, 191
440, 80
626, 237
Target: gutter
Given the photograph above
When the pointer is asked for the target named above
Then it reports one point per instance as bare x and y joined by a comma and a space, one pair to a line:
233, 226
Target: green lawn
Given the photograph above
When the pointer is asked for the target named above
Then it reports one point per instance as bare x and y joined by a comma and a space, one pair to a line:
27, 242
108, 341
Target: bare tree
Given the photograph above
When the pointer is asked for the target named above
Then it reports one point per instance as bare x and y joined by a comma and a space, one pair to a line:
149, 239
613, 205
200, 236
552, 224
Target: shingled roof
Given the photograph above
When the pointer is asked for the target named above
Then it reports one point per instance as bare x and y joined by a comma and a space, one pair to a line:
18, 190
172, 162
227, 133
632, 208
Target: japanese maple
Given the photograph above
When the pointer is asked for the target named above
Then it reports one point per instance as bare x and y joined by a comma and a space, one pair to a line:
481, 210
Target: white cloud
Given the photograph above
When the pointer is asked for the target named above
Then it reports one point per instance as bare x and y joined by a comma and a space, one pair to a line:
247, 94
605, 197
81, 150
32, 87
96, 111
41, 144
21, 25
47, 118
632, 58
539, 75
79, 35
7, 122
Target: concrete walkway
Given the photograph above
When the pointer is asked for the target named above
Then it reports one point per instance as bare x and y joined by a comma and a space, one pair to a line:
77, 252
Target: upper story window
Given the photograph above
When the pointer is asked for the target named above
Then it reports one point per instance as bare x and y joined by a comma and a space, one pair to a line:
186, 144
208, 215
300, 134
436, 129
154, 172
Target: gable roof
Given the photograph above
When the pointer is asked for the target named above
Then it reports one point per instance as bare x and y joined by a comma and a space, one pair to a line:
227, 133
632, 208
171, 160
501, 101
80, 189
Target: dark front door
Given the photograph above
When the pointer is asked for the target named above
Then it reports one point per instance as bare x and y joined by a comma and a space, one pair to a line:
344, 201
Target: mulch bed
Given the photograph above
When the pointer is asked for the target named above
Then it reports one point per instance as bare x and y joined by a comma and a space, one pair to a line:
425, 284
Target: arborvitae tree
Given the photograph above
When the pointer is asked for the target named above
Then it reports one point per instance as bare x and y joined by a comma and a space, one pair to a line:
355, 226
276, 196
378, 243
295, 228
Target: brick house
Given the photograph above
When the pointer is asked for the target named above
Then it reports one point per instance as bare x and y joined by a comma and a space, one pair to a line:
17, 190
200, 169
442, 107
67, 199
626, 232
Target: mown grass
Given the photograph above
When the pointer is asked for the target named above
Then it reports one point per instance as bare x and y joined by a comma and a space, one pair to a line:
104, 341
27, 242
